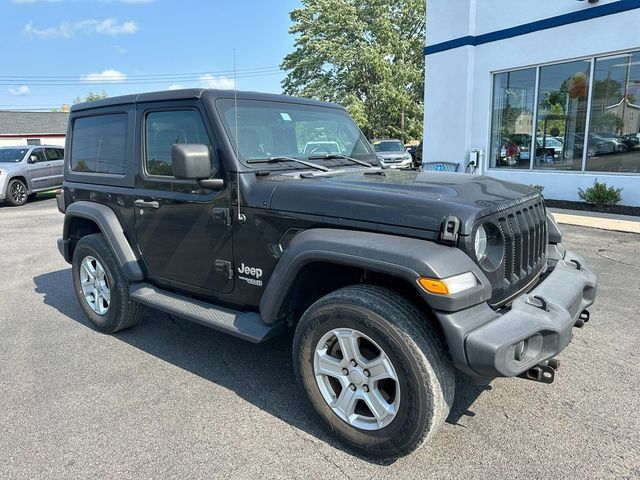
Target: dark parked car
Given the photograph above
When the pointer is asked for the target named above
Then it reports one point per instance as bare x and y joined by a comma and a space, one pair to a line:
392, 280
632, 140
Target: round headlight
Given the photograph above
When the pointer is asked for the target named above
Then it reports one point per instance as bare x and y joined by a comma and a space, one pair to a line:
480, 242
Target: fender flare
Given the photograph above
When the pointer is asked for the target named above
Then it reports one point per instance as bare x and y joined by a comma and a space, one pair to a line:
107, 221
406, 258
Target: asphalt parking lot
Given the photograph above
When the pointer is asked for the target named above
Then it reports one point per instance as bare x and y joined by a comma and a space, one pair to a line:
171, 399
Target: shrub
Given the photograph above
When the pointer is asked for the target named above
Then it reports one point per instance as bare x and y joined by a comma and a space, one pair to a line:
539, 188
600, 195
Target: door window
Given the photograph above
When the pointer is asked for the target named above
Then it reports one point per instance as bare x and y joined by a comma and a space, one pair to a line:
164, 129
39, 154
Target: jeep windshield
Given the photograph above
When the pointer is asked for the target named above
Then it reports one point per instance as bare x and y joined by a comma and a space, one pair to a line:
12, 155
269, 130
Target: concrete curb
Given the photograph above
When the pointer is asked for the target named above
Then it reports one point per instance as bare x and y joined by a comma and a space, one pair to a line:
603, 221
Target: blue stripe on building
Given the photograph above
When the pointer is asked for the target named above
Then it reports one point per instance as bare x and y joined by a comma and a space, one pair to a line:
553, 22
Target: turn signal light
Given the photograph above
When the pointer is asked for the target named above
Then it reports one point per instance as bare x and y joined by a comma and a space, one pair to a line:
448, 286
432, 285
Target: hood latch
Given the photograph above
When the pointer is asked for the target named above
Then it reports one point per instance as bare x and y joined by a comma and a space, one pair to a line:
449, 230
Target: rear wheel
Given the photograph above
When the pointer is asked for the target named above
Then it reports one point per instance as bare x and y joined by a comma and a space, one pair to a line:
374, 371
16, 193
101, 286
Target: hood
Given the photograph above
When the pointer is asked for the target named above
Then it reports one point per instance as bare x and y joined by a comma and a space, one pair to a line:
417, 200
11, 166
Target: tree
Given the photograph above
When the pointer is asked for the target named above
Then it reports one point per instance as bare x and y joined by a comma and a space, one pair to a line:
366, 55
91, 96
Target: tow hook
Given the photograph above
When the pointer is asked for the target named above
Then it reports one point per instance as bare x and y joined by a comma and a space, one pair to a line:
582, 319
544, 373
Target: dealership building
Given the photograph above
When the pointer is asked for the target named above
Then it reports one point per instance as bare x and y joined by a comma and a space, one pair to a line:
543, 92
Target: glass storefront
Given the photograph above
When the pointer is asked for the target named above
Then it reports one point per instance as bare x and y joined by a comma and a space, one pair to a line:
512, 119
614, 141
553, 135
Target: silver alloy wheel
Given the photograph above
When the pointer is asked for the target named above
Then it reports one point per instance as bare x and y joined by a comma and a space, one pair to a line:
357, 379
18, 192
95, 286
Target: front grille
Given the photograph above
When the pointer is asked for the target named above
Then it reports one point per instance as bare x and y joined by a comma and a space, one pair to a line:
393, 159
524, 230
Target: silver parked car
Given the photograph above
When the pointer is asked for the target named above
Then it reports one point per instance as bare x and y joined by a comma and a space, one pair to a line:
27, 170
392, 153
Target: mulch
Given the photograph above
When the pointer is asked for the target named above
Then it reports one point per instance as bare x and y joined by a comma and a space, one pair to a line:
616, 209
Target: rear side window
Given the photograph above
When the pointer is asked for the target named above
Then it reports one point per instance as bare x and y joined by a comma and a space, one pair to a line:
164, 129
99, 144
55, 153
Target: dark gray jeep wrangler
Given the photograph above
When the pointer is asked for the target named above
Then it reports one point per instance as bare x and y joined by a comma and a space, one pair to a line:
253, 214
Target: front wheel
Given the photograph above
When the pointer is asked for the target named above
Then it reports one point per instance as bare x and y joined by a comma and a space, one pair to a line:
374, 370
16, 193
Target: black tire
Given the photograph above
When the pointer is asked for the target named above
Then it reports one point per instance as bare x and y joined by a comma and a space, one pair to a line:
622, 148
425, 372
16, 193
122, 311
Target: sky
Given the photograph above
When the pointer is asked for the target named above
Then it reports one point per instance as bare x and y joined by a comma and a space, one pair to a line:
52, 51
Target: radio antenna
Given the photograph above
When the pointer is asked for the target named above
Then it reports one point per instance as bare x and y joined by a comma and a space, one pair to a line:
241, 216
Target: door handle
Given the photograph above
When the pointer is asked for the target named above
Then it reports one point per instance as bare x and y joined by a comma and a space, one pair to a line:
144, 204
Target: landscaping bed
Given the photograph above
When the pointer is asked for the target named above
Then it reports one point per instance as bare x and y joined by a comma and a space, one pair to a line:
616, 209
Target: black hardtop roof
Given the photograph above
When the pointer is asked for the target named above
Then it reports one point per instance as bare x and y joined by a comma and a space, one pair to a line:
193, 93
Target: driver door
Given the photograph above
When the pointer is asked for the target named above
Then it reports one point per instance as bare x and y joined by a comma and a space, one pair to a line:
184, 243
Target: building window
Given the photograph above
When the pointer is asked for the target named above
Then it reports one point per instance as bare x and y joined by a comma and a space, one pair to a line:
562, 116
614, 138
33, 141
513, 105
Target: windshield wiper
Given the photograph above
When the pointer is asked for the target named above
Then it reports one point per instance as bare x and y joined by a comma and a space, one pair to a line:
331, 156
287, 159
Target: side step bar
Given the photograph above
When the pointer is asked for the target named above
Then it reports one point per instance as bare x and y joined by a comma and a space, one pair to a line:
245, 325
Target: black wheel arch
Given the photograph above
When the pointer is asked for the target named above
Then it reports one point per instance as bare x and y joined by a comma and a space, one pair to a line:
85, 218
321, 260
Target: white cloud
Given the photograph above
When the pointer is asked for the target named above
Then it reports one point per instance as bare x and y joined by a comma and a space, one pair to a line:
20, 91
175, 86
222, 83
106, 76
108, 26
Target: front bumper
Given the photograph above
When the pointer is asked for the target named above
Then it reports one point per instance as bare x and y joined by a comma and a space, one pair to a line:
402, 164
486, 343
3, 185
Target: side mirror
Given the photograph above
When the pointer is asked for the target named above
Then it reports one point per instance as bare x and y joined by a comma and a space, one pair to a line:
32, 159
193, 162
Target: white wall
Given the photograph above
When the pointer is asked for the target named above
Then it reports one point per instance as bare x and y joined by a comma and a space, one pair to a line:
458, 82
11, 141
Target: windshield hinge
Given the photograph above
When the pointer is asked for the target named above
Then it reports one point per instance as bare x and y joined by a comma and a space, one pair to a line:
449, 230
